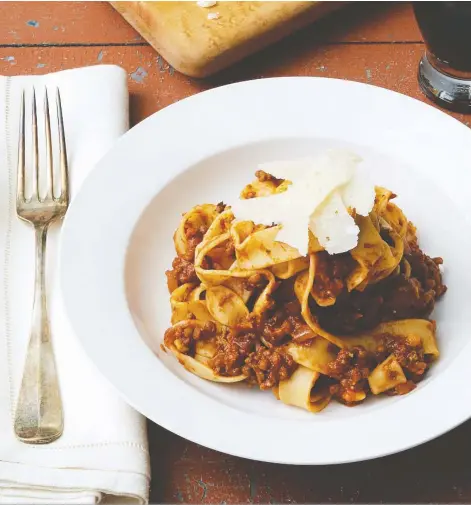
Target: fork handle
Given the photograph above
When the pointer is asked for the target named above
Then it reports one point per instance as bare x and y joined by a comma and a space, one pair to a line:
39, 414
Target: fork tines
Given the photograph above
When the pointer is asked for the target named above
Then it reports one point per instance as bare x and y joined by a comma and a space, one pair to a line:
35, 196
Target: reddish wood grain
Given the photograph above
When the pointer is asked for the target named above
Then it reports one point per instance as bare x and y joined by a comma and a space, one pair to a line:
370, 22
371, 42
98, 23
154, 85
437, 472
63, 23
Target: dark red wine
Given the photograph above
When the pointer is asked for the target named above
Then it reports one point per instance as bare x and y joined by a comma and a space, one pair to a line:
446, 28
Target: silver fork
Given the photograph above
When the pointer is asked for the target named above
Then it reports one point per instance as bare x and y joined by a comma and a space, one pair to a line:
39, 415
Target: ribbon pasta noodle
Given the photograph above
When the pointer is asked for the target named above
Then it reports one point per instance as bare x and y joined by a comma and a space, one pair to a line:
313, 329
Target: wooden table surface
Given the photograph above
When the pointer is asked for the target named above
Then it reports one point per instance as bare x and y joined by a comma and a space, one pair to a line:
377, 43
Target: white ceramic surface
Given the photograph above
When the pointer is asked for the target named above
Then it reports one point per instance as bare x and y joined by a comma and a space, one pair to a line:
204, 149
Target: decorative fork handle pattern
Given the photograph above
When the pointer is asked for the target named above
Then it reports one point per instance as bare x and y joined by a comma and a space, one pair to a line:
39, 416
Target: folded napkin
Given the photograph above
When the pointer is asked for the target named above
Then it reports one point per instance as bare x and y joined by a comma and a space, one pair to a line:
102, 455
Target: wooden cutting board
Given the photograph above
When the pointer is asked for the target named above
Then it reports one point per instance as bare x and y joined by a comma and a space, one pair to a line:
198, 45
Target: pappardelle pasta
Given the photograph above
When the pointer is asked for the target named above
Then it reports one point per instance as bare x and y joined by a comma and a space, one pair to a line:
312, 328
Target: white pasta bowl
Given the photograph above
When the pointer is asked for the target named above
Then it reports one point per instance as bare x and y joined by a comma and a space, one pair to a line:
203, 150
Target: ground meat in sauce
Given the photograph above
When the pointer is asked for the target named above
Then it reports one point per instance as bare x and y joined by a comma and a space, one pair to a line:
411, 359
283, 323
267, 367
351, 368
265, 177
221, 207
396, 297
401, 389
427, 271
352, 312
285, 292
241, 351
233, 350
405, 298
194, 236
184, 336
277, 324
331, 271
172, 281
183, 271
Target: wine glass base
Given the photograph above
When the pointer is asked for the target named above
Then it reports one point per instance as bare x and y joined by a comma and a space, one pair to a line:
447, 91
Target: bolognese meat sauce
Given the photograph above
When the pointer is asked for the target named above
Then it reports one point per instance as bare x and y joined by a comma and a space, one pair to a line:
267, 367
183, 268
396, 297
256, 347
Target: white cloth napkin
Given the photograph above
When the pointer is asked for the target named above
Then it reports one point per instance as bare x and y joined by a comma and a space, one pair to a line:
102, 454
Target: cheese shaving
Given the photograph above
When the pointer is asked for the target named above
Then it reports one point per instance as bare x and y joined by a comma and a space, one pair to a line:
323, 194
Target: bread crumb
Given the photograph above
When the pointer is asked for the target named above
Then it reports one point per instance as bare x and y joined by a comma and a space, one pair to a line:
213, 15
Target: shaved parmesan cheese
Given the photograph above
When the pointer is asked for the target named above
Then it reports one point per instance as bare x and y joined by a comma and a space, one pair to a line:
324, 193
333, 226
359, 194
339, 162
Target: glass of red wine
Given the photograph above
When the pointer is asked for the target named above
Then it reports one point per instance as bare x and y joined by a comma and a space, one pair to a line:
445, 68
